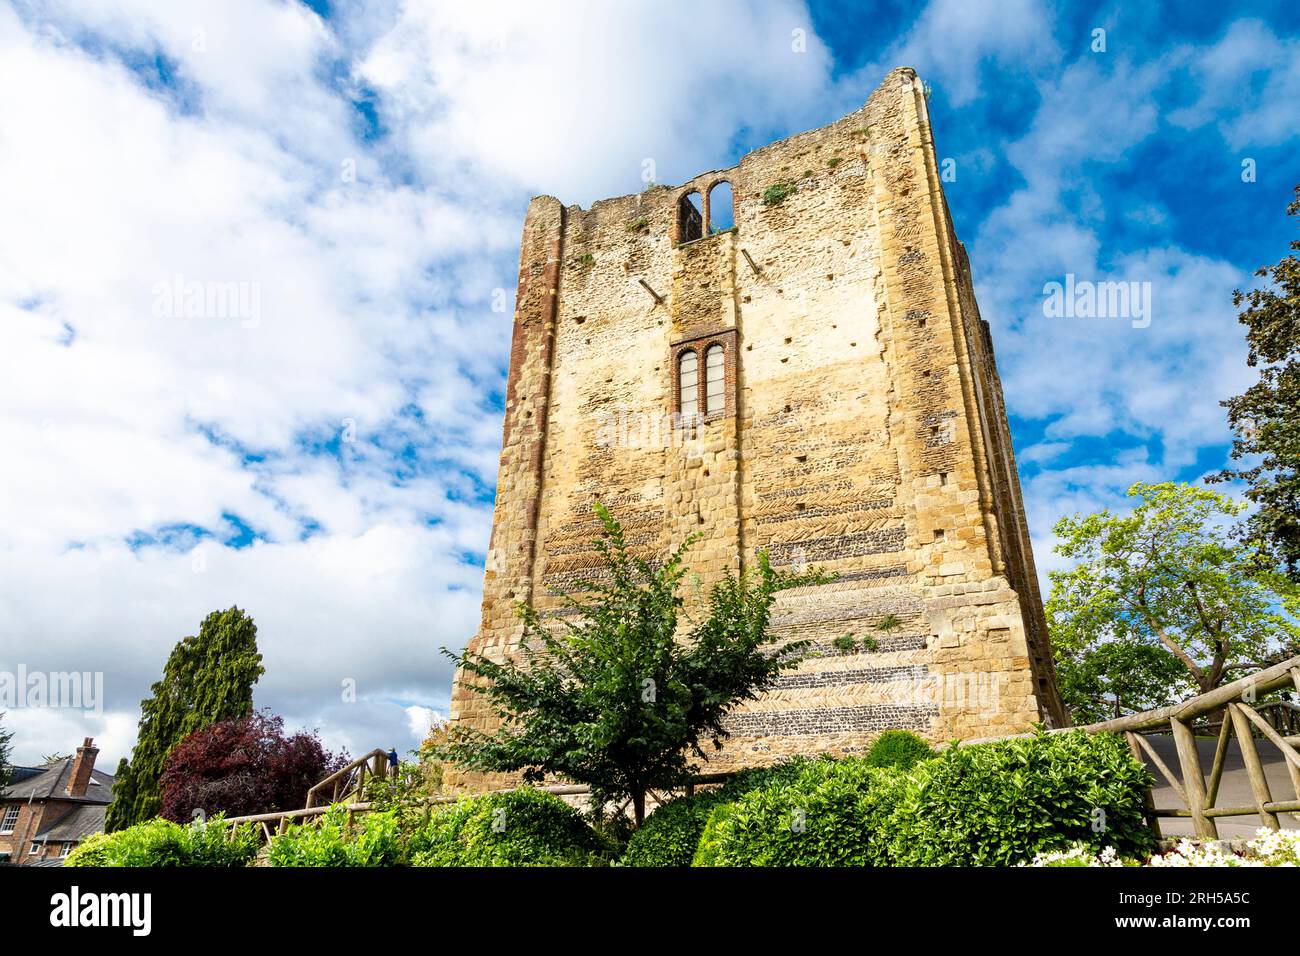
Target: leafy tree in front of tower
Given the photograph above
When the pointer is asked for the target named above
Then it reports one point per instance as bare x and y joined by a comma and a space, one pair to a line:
612, 695
1265, 418
207, 679
1162, 602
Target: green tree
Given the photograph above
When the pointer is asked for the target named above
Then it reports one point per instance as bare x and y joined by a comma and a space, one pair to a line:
6, 745
207, 679
1111, 678
613, 696
1168, 577
1265, 419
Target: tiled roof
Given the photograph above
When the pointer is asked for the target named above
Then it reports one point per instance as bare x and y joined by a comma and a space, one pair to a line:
77, 825
52, 781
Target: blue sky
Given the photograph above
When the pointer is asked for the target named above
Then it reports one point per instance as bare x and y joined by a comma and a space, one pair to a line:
321, 449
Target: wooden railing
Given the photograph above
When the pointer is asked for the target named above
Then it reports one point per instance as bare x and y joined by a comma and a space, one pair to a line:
350, 780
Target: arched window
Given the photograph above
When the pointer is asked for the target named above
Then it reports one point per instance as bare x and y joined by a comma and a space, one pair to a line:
688, 382
690, 218
722, 213
715, 377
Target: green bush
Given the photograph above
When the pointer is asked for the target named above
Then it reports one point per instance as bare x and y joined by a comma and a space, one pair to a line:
777, 193
900, 749
164, 843
524, 827
373, 839
834, 813
1002, 803
708, 851
671, 834
751, 778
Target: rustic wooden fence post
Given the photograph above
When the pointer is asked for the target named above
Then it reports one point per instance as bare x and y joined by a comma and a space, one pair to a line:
1254, 769
1193, 780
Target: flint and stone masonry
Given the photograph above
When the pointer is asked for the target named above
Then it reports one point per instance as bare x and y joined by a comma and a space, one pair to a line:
817, 382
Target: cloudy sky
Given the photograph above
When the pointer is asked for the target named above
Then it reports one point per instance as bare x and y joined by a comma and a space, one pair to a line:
322, 451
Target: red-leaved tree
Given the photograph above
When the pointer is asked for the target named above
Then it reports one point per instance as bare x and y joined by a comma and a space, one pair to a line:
243, 766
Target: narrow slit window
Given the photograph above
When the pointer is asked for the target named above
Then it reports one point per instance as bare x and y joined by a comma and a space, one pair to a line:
688, 382
715, 377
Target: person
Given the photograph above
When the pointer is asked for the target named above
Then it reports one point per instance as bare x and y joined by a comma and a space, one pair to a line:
392, 763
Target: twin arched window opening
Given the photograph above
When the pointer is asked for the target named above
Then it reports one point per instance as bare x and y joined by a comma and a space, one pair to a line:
697, 218
709, 394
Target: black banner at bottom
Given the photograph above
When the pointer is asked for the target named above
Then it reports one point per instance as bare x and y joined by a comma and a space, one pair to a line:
383, 906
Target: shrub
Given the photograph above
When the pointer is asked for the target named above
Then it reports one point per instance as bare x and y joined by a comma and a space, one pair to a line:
777, 193
164, 843
241, 767
900, 749
751, 778
708, 852
845, 643
1002, 803
523, 827
670, 835
834, 813
373, 839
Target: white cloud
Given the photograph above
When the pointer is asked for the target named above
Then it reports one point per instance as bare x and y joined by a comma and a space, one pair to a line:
571, 98
114, 408
420, 719
1249, 83
951, 42
149, 143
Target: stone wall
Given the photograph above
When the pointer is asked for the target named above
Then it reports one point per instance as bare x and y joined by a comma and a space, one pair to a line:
861, 428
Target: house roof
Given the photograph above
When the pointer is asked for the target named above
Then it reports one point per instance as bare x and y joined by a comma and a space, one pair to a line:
75, 826
51, 781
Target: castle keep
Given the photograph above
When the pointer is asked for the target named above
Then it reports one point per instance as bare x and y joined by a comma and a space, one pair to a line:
816, 382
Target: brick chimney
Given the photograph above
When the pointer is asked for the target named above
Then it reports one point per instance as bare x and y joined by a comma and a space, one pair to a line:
82, 764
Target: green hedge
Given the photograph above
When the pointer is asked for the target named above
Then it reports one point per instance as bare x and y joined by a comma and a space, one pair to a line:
993, 804
374, 839
1001, 803
164, 843
523, 827
670, 835
901, 749
835, 813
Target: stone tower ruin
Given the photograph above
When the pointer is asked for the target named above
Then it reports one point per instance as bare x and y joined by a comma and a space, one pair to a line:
817, 382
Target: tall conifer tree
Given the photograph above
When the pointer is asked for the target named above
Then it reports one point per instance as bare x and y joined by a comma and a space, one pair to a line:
207, 679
